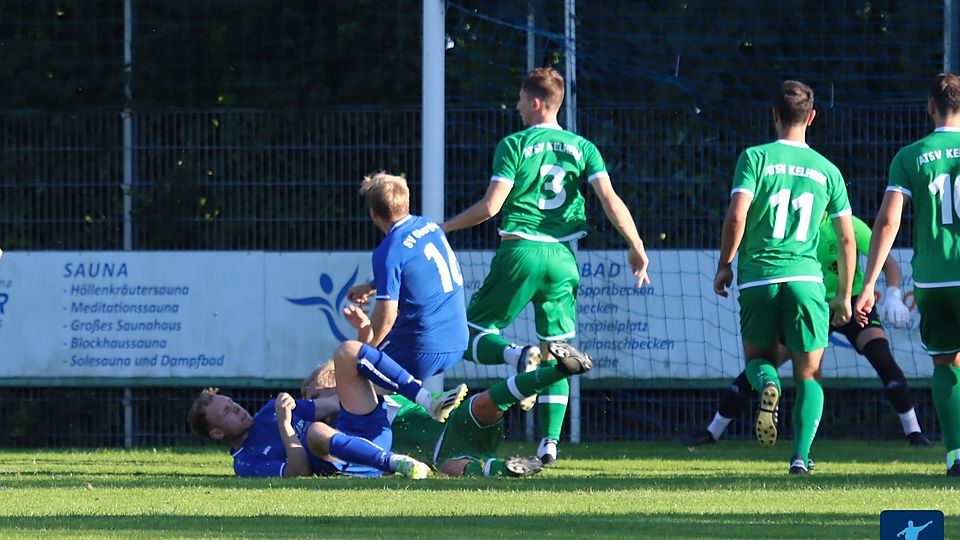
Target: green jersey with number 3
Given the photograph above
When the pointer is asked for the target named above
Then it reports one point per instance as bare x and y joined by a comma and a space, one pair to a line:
546, 167
928, 171
791, 186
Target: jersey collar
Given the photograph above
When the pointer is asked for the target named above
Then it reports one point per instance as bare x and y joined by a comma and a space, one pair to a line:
547, 125
793, 143
401, 222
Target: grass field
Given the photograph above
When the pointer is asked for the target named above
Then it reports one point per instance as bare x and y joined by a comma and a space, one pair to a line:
612, 490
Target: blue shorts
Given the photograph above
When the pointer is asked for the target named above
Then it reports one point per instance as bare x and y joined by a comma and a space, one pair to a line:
421, 365
375, 427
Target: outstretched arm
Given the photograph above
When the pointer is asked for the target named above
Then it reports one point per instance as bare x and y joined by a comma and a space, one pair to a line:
482, 210
620, 217
840, 308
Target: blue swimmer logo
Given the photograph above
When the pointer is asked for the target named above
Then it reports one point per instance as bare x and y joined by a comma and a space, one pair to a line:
330, 310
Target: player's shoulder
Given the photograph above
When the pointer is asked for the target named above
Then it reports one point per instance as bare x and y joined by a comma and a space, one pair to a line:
913, 150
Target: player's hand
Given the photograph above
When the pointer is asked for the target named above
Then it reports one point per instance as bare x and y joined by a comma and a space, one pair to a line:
892, 309
840, 311
861, 311
356, 317
640, 263
361, 293
284, 408
723, 280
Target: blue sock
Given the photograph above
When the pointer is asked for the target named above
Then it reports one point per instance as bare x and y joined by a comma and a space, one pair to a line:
385, 372
360, 451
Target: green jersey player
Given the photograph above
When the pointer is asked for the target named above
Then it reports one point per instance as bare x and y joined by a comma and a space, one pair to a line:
928, 173
870, 341
779, 191
535, 187
467, 444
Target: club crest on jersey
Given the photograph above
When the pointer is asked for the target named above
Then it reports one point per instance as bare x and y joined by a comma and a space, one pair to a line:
331, 309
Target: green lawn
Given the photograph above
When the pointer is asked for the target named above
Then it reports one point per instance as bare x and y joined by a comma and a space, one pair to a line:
610, 490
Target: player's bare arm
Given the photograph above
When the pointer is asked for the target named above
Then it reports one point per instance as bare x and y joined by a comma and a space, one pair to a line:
622, 220
297, 463
482, 210
846, 263
361, 293
382, 321
885, 230
732, 234
360, 322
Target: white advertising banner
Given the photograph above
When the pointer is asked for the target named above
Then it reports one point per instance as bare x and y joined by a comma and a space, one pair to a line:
159, 317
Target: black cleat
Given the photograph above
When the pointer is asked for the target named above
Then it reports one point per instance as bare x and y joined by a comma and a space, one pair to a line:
955, 469
918, 439
569, 359
547, 452
797, 466
529, 361
523, 466
697, 438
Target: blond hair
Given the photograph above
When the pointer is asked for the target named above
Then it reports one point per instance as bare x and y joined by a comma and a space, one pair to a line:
387, 195
546, 84
197, 417
323, 377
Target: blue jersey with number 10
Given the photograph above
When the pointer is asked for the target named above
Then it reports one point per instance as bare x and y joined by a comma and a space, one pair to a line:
415, 266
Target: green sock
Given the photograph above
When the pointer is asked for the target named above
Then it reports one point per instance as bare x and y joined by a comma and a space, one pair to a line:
511, 391
807, 411
946, 397
490, 467
552, 406
760, 371
485, 348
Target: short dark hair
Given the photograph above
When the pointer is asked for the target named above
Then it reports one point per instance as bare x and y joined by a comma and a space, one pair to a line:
945, 93
197, 417
544, 83
793, 102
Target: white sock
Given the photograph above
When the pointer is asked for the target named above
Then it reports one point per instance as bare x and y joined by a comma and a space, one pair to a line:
909, 421
718, 425
511, 355
424, 399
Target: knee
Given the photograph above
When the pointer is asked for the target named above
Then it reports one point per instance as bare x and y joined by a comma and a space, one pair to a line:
485, 410
346, 354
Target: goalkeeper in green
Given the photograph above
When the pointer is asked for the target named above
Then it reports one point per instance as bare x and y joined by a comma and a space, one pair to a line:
870, 341
927, 173
535, 187
779, 191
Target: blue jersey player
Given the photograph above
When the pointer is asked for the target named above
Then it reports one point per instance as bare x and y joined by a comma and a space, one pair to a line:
286, 438
419, 326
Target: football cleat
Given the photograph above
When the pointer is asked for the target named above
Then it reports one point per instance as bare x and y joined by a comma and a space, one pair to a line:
918, 439
443, 403
523, 466
767, 415
797, 466
529, 361
411, 468
569, 359
547, 451
697, 438
955, 469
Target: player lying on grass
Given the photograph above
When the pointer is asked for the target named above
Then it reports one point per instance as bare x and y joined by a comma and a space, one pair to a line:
870, 341
288, 437
467, 444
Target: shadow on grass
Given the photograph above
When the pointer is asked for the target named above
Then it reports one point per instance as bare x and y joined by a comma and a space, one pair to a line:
629, 525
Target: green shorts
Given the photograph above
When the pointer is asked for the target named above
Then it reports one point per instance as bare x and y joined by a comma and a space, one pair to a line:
464, 437
524, 271
795, 310
939, 319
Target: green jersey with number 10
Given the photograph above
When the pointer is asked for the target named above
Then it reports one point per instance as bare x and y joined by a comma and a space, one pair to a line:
546, 167
791, 186
928, 171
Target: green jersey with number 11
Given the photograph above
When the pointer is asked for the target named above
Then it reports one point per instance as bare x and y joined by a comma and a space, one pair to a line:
546, 167
928, 171
791, 186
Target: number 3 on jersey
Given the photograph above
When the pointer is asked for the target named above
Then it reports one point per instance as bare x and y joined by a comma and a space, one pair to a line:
782, 203
447, 267
556, 174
